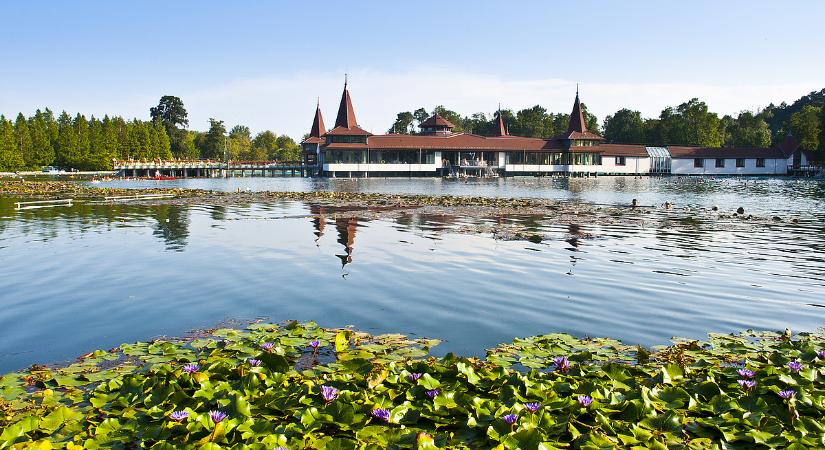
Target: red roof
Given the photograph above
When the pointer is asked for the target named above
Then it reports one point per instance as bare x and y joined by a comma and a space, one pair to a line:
577, 128
313, 140
352, 131
457, 141
317, 123
436, 121
622, 150
725, 152
346, 114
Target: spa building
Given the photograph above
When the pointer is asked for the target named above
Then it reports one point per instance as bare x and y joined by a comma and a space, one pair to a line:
347, 150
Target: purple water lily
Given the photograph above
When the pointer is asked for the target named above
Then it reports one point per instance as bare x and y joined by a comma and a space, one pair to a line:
746, 384
584, 400
329, 393
413, 376
178, 416
217, 416
280, 448
267, 346
562, 364
433, 393
821, 354
190, 368
254, 362
787, 394
509, 419
381, 413
745, 373
314, 344
532, 406
795, 366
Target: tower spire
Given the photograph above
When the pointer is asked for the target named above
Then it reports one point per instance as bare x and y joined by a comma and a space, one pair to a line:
499, 129
346, 114
318, 122
577, 116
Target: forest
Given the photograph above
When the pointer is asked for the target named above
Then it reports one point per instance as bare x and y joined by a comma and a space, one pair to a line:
690, 123
81, 143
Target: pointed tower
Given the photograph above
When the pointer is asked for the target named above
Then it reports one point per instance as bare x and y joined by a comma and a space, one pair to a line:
577, 134
577, 123
318, 123
312, 144
345, 124
498, 128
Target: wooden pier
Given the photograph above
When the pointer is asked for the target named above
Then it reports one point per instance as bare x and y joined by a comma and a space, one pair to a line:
208, 169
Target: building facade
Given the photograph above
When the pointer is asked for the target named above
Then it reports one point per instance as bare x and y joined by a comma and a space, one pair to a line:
347, 150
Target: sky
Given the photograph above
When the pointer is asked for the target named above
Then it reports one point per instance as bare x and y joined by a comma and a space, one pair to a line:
264, 63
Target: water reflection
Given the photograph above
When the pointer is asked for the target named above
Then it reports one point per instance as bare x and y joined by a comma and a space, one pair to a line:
645, 278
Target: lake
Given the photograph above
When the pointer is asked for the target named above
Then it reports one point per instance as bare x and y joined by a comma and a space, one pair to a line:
93, 276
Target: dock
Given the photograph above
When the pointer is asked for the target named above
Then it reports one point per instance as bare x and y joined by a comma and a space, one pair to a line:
208, 169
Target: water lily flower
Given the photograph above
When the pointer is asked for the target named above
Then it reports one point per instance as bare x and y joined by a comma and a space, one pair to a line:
191, 368
314, 344
217, 416
329, 393
382, 414
745, 373
821, 354
267, 346
254, 362
787, 394
795, 366
562, 364
280, 448
432, 393
509, 418
178, 416
414, 376
746, 384
585, 400
532, 406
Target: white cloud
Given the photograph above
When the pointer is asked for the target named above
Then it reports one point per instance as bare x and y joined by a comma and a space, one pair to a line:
286, 105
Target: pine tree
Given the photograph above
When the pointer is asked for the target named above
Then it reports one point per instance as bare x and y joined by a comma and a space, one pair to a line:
66, 140
23, 139
10, 157
81, 126
42, 147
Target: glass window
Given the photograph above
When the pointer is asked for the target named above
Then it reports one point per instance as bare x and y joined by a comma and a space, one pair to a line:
720, 162
620, 161
760, 162
698, 162
740, 162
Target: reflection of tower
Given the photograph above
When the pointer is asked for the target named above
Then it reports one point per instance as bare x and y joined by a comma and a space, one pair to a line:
346, 236
318, 220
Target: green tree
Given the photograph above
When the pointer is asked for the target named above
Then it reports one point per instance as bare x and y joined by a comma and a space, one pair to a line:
10, 157
625, 127
532, 122
806, 126
690, 124
239, 143
170, 112
420, 115
590, 121
66, 140
212, 145
23, 139
42, 145
749, 130
288, 150
266, 144
403, 123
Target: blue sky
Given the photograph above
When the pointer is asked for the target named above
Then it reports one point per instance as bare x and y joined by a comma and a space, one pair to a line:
263, 63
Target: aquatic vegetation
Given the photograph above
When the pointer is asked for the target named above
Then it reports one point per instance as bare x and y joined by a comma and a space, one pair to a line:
386, 391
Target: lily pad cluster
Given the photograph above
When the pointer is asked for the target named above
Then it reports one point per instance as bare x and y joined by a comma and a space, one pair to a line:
299, 386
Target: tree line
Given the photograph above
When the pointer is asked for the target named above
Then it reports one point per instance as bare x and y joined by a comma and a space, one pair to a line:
83, 143
690, 123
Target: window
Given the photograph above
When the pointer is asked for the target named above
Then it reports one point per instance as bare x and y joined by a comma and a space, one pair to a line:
698, 162
740, 162
760, 162
720, 162
620, 161
344, 157
346, 139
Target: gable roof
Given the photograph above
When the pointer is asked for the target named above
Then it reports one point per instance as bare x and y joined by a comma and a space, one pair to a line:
678, 151
436, 121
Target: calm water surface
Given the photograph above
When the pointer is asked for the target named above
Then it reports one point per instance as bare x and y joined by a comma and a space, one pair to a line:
93, 276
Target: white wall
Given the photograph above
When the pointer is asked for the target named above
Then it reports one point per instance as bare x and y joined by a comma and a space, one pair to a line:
633, 165
684, 166
382, 167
